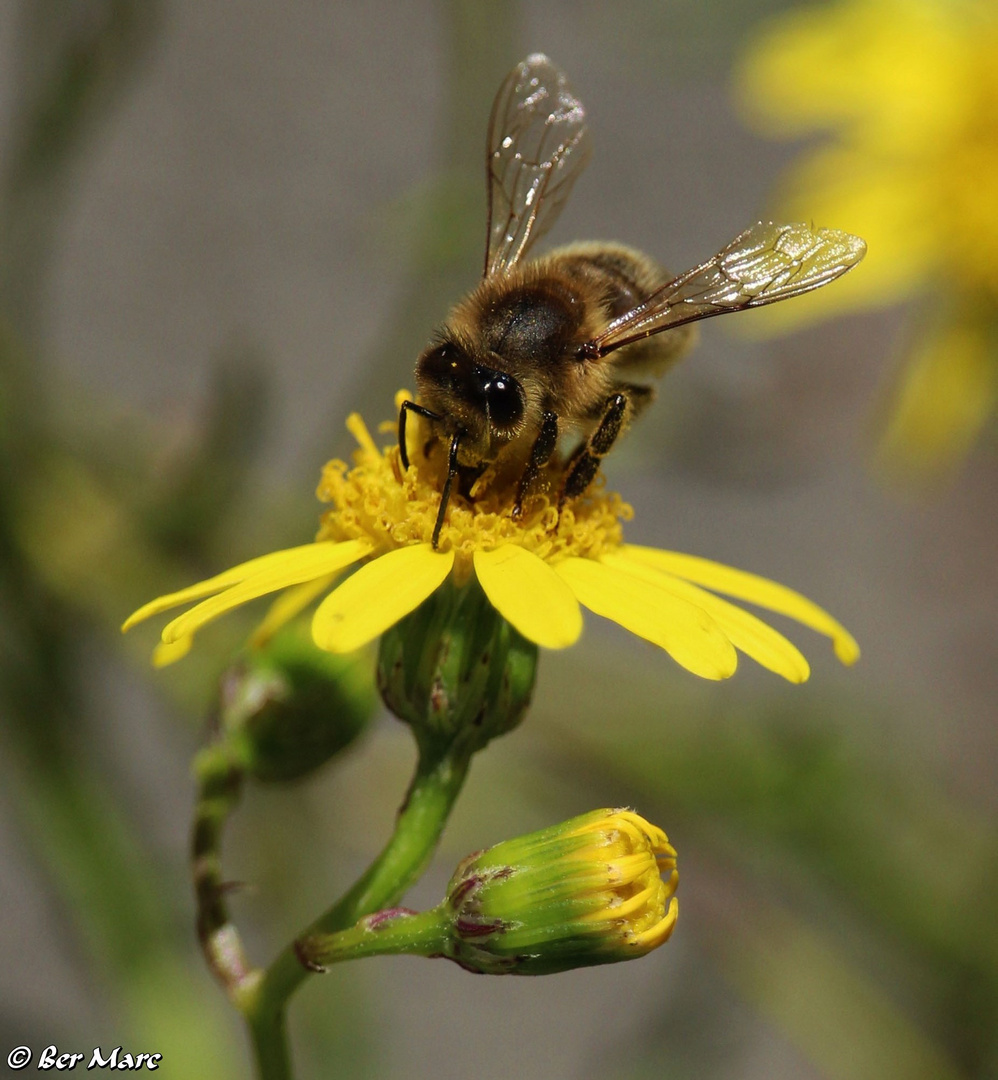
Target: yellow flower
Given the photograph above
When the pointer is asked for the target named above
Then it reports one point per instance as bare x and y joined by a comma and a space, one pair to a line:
535, 571
908, 90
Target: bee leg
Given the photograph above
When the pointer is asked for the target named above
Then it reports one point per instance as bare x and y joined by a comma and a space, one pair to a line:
445, 494
419, 410
638, 398
585, 463
540, 455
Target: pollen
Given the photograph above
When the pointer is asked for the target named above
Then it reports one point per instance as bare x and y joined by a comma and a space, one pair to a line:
373, 500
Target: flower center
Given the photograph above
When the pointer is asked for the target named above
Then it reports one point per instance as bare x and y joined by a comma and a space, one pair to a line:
373, 500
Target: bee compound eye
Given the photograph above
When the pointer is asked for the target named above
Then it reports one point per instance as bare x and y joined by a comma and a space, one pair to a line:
504, 400
441, 364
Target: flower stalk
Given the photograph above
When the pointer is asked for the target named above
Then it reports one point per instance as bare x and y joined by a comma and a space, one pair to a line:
220, 776
270, 725
435, 786
392, 932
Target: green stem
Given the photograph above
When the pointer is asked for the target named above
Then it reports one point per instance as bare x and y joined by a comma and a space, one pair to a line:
220, 779
435, 786
392, 932
270, 1045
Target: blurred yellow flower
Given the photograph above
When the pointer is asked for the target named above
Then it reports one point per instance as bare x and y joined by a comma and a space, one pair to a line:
535, 571
908, 91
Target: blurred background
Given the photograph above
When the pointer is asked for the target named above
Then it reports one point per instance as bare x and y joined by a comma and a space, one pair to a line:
224, 227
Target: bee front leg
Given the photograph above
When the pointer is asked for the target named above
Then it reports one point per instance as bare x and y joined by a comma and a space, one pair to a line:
445, 494
540, 455
585, 463
419, 410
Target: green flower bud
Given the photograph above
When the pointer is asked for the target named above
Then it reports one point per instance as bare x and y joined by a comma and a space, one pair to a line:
594, 890
587, 891
291, 706
455, 669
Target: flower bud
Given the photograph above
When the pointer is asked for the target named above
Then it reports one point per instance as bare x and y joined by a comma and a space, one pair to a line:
292, 706
588, 891
456, 669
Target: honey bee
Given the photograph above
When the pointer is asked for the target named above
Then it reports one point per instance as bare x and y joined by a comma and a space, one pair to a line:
567, 341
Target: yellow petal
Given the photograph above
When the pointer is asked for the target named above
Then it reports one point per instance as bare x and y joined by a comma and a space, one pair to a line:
528, 594
893, 74
378, 595
163, 655
751, 588
287, 606
746, 632
358, 429
295, 566
662, 930
218, 582
687, 633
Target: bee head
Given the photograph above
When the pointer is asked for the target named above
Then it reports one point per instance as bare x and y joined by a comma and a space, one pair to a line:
485, 402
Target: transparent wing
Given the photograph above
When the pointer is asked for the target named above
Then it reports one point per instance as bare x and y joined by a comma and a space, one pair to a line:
766, 263
538, 143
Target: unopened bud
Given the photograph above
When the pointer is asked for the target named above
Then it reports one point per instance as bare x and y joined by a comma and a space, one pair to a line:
454, 669
588, 891
292, 706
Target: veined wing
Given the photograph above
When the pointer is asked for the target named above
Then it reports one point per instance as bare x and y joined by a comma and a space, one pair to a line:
538, 143
766, 263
